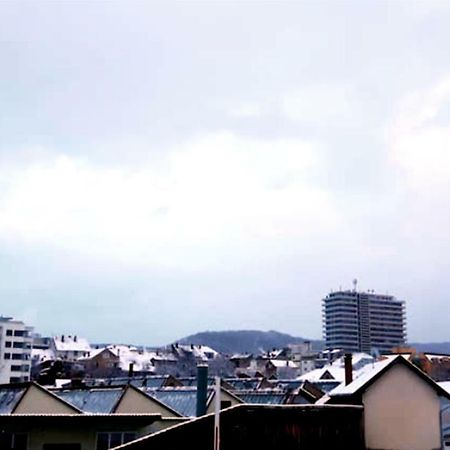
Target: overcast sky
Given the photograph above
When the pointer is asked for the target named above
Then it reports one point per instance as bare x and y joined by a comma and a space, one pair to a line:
173, 167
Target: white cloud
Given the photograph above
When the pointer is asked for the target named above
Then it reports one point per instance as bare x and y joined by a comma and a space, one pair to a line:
212, 191
321, 103
420, 139
248, 110
419, 143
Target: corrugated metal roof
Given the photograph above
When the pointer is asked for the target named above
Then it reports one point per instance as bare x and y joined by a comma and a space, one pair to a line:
101, 401
326, 386
192, 381
155, 382
244, 383
262, 398
9, 397
288, 384
182, 400
141, 381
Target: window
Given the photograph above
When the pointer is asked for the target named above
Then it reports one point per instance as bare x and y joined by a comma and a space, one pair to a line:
20, 333
17, 356
16, 368
13, 441
225, 404
14, 380
8, 344
7, 355
18, 345
106, 441
9, 333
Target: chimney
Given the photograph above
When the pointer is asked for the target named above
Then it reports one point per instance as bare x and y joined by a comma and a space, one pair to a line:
348, 368
62, 338
130, 370
75, 338
202, 389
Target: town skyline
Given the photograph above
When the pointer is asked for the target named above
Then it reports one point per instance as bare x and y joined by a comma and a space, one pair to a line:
172, 167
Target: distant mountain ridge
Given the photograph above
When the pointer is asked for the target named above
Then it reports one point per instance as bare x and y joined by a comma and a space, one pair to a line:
254, 341
245, 341
431, 347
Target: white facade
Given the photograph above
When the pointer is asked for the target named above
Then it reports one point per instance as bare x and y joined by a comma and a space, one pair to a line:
363, 321
69, 348
15, 350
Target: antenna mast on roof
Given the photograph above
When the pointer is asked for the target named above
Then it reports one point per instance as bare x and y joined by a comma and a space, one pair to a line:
355, 282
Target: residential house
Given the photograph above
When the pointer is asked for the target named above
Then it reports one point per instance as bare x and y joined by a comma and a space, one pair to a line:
33, 418
101, 362
402, 405
69, 348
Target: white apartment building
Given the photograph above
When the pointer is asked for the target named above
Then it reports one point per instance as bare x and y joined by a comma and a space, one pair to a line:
15, 350
363, 321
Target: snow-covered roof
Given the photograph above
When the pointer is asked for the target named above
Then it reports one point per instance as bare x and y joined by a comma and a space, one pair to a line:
445, 385
329, 372
361, 377
279, 363
40, 355
128, 354
199, 351
71, 344
358, 360
336, 370
240, 356
431, 356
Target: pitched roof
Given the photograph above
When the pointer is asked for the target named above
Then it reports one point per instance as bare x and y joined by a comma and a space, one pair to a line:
71, 344
11, 396
445, 385
280, 363
372, 374
182, 400
263, 398
94, 400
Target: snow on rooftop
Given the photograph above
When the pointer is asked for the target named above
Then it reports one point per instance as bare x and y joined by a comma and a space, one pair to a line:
279, 363
361, 377
199, 351
358, 360
445, 385
336, 370
71, 344
40, 355
431, 356
141, 359
325, 373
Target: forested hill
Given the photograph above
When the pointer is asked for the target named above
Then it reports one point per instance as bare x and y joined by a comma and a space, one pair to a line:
241, 341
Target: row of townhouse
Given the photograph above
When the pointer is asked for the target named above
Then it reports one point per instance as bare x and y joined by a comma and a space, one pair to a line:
390, 404
397, 406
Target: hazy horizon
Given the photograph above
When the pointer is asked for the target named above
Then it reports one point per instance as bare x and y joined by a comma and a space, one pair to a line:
172, 167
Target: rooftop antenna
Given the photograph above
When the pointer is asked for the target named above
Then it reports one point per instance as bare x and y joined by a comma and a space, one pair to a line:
355, 282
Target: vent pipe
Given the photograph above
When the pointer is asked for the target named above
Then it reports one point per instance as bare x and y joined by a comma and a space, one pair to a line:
348, 368
130, 370
202, 389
